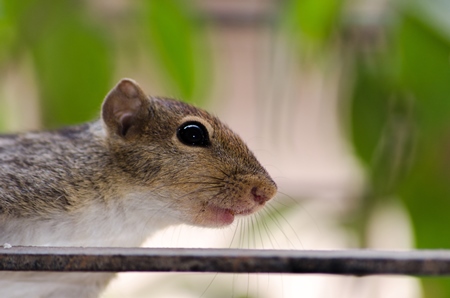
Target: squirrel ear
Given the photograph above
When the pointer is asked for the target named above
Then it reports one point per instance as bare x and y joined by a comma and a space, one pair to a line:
123, 106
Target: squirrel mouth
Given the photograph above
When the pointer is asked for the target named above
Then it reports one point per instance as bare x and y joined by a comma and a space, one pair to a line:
245, 211
218, 217
251, 200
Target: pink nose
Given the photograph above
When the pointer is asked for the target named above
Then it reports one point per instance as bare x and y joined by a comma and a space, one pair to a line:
259, 196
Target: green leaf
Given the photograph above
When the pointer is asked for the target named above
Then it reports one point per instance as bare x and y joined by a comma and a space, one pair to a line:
177, 44
312, 21
6, 33
425, 69
74, 67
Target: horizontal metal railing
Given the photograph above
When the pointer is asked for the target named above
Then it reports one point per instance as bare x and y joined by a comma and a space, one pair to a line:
345, 262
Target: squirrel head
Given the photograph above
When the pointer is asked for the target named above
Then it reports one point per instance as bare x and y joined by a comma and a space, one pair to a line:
182, 156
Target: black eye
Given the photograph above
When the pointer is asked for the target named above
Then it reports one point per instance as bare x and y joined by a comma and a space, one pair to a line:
193, 134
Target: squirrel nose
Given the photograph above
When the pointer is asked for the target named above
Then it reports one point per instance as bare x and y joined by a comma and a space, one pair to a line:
259, 195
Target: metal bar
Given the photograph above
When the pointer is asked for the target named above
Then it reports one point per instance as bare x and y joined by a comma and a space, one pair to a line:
345, 262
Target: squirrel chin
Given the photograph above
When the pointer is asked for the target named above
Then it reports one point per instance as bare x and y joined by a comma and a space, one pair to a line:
217, 217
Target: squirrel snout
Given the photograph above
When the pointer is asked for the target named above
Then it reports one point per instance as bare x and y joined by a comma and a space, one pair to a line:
262, 195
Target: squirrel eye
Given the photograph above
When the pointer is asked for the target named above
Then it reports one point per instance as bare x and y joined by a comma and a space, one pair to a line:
193, 134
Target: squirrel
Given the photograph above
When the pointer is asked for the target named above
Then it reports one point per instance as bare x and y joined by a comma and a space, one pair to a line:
146, 164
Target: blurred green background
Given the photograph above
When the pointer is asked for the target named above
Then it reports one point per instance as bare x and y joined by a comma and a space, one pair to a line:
396, 59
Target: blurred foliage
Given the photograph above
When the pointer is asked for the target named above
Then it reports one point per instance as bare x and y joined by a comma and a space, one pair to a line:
401, 123
174, 39
312, 22
74, 55
400, 105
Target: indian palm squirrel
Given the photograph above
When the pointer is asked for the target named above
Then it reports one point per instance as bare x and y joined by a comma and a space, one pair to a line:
146, 164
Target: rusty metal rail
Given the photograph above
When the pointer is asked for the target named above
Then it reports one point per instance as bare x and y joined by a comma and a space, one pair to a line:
345, 262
